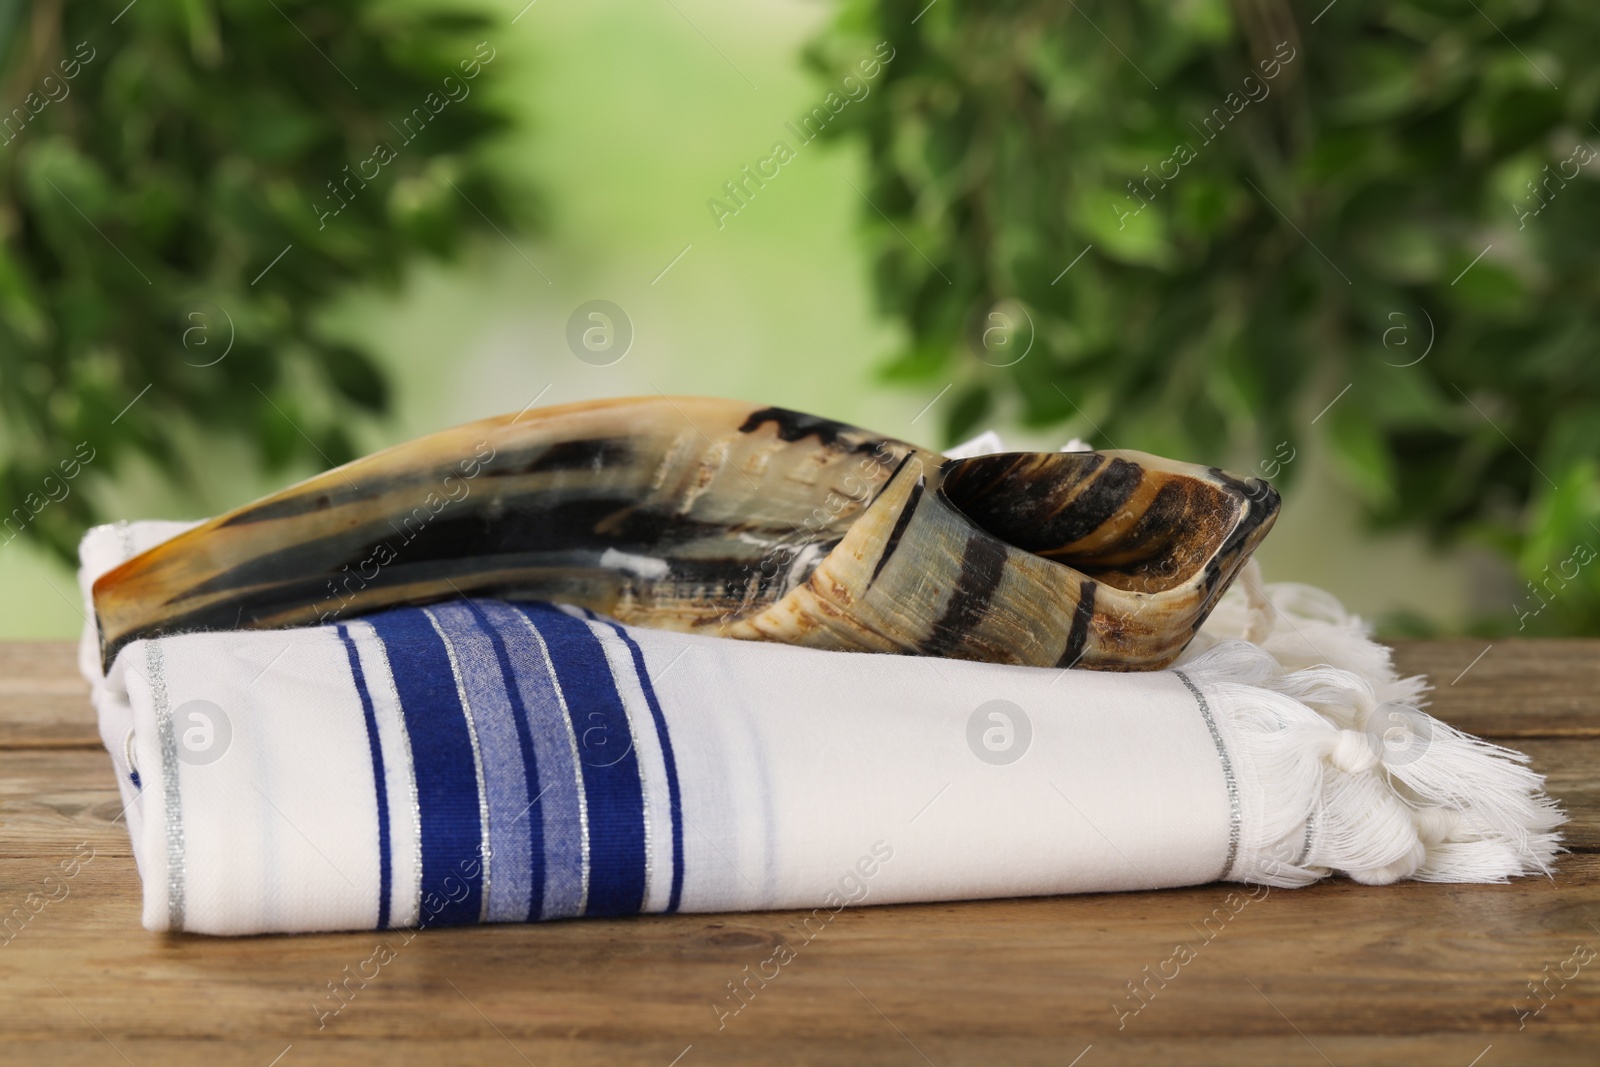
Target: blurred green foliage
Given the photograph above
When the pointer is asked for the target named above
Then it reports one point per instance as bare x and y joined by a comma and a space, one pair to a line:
1397, 198
154, 165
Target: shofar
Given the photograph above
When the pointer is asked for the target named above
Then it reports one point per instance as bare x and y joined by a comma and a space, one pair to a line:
726, 518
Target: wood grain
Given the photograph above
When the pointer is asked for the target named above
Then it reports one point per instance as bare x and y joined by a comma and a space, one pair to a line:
44, 702
1530, 688
1409, 974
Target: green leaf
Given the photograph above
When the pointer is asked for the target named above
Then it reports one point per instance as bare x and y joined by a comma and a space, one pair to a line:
204, 160
1359, 453
1382, 170
969, 409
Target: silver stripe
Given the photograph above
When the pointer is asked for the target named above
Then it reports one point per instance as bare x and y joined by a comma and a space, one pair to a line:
484, 851
168, 739
415, 914
577, 766
1235, 813
609, 635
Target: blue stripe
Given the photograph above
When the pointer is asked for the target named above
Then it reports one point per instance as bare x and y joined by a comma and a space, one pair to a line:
533, 813
560, 811
667, 757
504, 777
380, 781
447, 778
611, 780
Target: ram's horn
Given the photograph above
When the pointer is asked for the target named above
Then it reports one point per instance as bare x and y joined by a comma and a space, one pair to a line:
725, 518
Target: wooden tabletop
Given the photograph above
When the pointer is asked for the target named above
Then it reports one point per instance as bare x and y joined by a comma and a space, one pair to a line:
1337, 973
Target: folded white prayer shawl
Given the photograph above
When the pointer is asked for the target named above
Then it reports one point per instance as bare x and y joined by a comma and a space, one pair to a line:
479, 761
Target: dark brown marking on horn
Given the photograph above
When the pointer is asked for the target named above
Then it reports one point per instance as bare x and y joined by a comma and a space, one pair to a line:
977, 479
983, 563
1078, 636
794, 425
900, 523
887, 482
591, 454
1042, 503
296, 502
293, 507
1159, 551
1031, 486
346, 591
1094, 506
477, 540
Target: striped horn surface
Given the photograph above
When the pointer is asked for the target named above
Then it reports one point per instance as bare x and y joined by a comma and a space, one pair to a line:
731, 519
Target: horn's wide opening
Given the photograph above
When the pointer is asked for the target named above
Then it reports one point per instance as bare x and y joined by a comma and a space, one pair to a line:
1111, 518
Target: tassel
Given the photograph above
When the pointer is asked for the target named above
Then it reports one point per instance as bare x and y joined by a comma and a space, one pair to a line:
1339, 769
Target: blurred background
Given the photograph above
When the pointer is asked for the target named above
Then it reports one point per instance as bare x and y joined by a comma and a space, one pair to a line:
1345, 246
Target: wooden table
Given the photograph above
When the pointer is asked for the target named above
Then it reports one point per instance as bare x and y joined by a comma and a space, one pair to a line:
1408, 974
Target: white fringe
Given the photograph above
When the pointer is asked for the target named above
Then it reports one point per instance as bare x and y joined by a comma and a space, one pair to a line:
1339, 770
